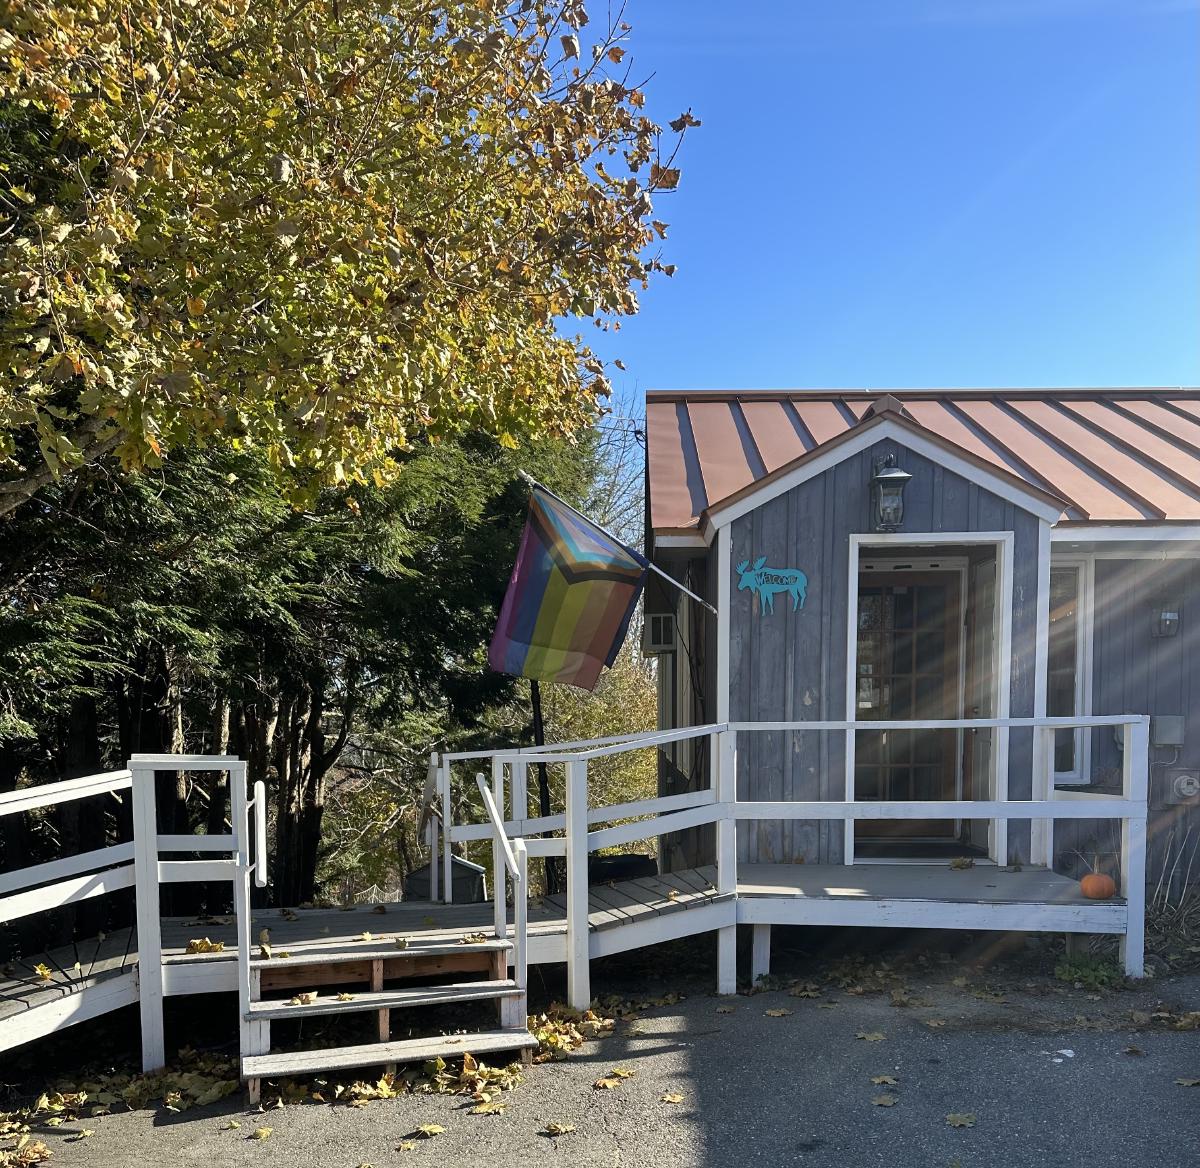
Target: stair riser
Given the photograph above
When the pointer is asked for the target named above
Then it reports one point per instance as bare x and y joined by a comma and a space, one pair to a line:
288, 977
285, 1013
372, 951
408, 1051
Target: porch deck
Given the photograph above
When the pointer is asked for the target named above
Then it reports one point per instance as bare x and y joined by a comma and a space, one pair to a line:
621, 915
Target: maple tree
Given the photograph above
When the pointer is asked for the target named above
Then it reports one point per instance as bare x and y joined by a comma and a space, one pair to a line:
321, 229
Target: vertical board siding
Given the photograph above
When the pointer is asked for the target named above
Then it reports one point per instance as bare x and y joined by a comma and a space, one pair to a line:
792, 666
1135, 672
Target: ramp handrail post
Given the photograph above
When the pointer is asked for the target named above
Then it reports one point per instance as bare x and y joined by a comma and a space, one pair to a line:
1134, 786
447, 843
430, 812
251, 1035
500, 850
521, 918
579, 991
149, 921
727, 856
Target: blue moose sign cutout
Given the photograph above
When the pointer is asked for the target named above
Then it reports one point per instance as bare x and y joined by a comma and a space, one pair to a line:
766, 583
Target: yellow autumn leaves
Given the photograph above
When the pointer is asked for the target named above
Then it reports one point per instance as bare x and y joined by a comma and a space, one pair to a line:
327, 275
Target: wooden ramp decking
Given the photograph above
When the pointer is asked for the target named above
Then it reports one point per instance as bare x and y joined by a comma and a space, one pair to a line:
622, 915
86, 963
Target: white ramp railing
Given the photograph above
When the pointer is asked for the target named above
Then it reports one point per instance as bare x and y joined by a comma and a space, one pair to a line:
718, 803
139, 864
237, 866
511, 857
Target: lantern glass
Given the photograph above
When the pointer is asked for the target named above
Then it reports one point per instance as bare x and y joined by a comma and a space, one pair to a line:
887, 494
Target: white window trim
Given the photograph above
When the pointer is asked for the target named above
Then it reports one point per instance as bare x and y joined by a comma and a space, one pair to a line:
1085, 564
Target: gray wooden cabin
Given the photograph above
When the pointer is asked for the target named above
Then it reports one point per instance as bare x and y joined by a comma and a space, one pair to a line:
1044, 562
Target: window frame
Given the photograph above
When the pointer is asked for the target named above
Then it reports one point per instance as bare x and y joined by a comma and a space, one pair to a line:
1085, 567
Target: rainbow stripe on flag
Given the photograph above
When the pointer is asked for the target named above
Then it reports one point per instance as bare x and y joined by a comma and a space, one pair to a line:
570, 598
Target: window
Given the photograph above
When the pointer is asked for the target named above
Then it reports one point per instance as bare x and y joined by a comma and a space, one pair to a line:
1067, 689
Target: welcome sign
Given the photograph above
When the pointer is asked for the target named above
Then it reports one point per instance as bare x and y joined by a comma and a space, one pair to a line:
766, 583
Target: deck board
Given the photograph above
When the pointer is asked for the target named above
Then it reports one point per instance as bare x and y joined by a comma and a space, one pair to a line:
610, 906
983, 884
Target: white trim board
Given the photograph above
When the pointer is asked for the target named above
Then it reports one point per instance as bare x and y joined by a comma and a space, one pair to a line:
724, 557
1148, 532
1004, 543
1085, 565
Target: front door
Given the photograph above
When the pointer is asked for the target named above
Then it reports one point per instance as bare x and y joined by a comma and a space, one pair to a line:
908, 667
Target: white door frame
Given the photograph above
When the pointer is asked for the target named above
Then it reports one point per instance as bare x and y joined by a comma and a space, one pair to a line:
1003, 542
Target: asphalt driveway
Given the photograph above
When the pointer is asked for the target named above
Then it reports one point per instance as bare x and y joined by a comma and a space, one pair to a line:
1033, 1070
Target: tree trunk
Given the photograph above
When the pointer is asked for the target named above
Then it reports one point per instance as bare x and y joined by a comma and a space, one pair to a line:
218, 794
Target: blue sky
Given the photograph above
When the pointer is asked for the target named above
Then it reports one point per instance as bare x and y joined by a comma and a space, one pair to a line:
922, 193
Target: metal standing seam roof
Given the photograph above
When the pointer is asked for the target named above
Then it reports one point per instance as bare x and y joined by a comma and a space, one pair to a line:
1112, 455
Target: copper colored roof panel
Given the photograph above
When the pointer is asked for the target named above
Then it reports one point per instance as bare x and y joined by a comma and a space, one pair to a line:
773, 425
1163, 419
1114, 456
1183, 465
677, 493
822, 419
1146, 483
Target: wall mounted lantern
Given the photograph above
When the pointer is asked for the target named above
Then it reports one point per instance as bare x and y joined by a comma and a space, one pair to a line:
1166, 618
887, 494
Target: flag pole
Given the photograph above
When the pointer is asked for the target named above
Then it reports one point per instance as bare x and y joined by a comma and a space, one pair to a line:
651, 566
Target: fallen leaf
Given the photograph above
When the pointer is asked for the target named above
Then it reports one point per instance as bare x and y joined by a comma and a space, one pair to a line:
884, 1080
780, 1012
406, 1145
886, 1100
1187, 1082
344, 997
1134, 1050
673, 894
961, 1119
558, 1129
305, 999
260, 1133
489, 1107
804, 990
473, 939
935, 1022
869, 1035
672, 1097
43, 971
725, 1009
364, 936
606, 1083
428, 1130
232, 1125
401, 942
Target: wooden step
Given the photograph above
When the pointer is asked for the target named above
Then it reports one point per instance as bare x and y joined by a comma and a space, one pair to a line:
375, 950
470, 991
411, 1050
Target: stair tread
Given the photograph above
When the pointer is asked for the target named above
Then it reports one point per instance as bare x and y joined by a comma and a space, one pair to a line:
388, 999
373, 951
261, 1066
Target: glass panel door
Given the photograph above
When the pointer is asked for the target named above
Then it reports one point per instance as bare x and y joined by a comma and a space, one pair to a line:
907, 669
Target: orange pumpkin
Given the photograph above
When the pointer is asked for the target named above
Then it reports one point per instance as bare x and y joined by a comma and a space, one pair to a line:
1097, 886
